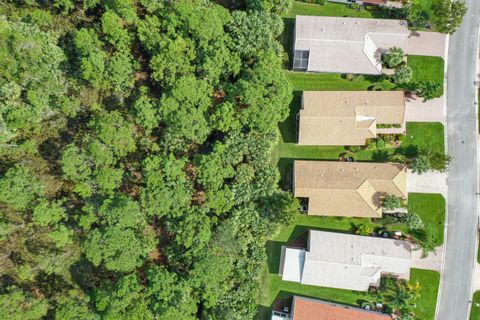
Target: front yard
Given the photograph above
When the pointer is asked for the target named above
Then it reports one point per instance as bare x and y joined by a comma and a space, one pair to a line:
427, 68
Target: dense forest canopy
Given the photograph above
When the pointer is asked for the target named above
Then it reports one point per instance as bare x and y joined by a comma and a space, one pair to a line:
135, 172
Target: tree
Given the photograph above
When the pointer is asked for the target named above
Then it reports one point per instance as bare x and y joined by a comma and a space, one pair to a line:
184, 110
145, 111
425, 238
112, 27
33, 85
171, 295
16, 304
112, 129
428, 90
439, 161
394, 58
91, 55
403, 74
254, 32
121, 242
278, 6
420, 164
448, 15
73, 306
165, 179
400, 297
125, 299
392, 202
19, 187
47, 213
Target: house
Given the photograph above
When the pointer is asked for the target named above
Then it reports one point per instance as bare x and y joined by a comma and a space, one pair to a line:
346, 118
301, 308
345, 261
345, 45
347, 189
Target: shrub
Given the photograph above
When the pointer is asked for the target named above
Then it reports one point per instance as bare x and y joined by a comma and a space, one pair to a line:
379, 143
363, 229
354, 148
413, 221
350, 76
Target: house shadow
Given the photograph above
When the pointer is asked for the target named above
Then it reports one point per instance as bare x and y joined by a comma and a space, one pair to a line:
380, 156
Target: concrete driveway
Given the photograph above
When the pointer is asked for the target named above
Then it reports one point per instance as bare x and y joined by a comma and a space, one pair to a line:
423, 43
433, 261
429, 182
430, 111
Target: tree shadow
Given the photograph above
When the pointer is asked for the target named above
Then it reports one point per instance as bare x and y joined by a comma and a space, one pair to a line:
286, 39
288, 128
380, 156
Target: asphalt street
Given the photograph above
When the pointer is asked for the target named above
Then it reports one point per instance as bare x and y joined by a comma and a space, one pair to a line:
460, 255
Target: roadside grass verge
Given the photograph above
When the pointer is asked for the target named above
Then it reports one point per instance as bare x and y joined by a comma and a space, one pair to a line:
427, 69
475, 312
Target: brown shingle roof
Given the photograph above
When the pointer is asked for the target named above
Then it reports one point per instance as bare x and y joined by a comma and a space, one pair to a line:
352, 189
347, 117
310, 309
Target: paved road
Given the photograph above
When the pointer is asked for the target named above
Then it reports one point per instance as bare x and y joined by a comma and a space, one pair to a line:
462, 202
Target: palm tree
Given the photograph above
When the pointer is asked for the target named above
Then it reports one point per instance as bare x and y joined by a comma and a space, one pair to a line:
400, 298
428, 90
403, 74
393, 58
420, 164
414, 290
392, 202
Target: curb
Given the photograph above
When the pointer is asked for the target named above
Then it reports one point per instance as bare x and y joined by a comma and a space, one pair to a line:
475, 262
445, 139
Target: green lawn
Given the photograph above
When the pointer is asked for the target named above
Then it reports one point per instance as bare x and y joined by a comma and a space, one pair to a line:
332, 81
428, 135
431, 208
329, 10
426, 68
475, 312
